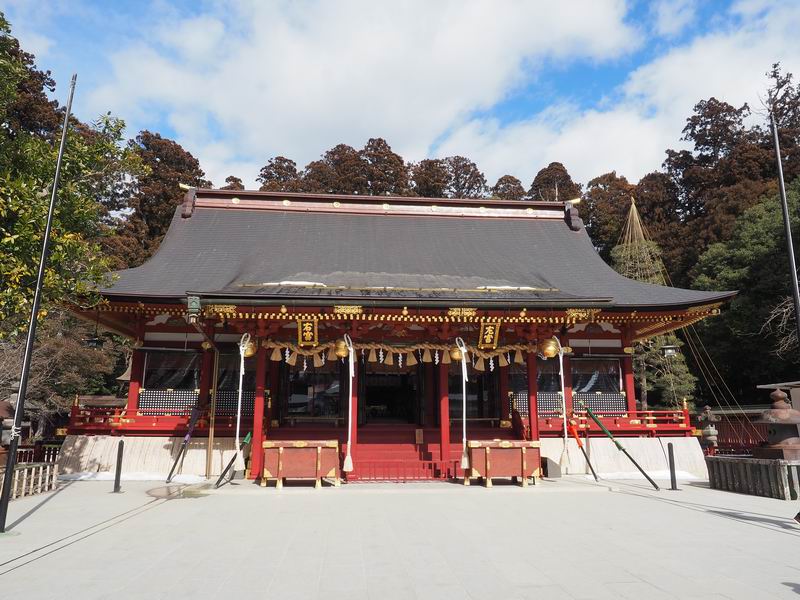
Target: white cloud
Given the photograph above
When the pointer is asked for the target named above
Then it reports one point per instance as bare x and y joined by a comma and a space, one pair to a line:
630, 136
296, 78
673, 16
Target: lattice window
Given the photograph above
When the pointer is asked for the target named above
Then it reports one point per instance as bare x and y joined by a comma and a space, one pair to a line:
548, 403
600, 404
227, 400
167, 402
519, 402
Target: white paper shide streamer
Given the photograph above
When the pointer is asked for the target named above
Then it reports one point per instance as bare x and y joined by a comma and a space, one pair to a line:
464, 456
239, 464
347, 467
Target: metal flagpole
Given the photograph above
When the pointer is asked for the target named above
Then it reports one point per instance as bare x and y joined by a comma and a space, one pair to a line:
787, 225
37, 297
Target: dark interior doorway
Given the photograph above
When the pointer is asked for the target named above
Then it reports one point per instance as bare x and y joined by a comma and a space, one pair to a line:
391, 397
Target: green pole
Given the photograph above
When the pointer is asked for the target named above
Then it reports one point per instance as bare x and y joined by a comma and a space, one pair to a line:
619, 446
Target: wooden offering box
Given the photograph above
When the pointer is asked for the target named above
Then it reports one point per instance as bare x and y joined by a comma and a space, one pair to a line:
300, 459
503, 458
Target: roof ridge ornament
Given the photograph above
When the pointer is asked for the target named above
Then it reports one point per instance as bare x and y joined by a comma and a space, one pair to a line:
571, 216
187, 207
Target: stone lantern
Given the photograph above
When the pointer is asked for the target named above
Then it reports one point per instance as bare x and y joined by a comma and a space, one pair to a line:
783, 435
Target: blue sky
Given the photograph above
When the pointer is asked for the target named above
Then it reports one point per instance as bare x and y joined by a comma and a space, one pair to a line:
599, 85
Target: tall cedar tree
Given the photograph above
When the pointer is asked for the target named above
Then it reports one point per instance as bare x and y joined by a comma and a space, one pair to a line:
554, 183
232, 183
465, 178
508, 187
387, 172
430, 178
341, 170
605, 205
280, 175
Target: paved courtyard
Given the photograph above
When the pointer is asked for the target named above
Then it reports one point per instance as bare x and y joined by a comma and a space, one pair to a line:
560, 539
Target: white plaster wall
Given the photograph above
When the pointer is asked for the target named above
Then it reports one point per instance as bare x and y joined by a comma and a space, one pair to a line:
98, 453
650, 453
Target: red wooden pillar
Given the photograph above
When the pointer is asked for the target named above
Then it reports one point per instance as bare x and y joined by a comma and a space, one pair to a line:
430, 394
444, 411
135, 382
274, 382
627, 377
256, 453
354, 413
533, 391
505, 405
568, 385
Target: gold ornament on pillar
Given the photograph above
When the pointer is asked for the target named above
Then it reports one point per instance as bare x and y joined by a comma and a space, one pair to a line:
250, 349
549, 347
340, 349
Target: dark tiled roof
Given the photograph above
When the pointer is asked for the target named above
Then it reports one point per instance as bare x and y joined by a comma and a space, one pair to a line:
279, 254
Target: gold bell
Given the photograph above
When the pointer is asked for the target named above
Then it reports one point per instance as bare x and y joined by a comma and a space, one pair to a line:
549, 347
455, 353
250, 349
341, 349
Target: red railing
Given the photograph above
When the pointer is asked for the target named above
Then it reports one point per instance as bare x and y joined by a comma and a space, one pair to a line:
104, 421
631, 423
403, 470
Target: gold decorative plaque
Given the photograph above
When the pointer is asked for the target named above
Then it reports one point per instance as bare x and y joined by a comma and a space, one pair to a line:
348, 309
221, 309
462, 312
307, 333
490, 334
582, 314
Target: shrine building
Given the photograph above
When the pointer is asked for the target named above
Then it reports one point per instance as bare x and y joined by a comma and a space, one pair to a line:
403, 278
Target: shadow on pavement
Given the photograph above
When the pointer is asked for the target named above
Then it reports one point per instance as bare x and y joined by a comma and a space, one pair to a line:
49, 497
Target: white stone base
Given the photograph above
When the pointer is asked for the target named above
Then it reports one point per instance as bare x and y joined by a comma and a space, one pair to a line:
650, 453
98, 454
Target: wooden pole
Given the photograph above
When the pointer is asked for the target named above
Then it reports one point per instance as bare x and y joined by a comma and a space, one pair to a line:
212, 419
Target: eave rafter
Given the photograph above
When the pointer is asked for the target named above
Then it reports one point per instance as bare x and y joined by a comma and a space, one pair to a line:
264, 320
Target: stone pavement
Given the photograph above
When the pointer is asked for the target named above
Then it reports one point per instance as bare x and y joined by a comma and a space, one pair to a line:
561, 539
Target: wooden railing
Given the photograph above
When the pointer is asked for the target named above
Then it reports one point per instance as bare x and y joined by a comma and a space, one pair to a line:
630, 423
32, 478
404, 470
39, 452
